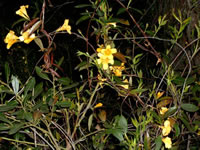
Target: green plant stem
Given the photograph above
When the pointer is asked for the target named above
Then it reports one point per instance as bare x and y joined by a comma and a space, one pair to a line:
84, 112
81, 139
23, 142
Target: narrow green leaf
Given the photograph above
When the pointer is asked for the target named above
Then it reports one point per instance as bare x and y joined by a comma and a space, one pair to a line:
40, 74
38, 41
158, 142
7, 71
28, 116
4, 119
30, 85
82, 5
186, 123
38, 89
177, 130
121, 10
8, 106
83, 18
189, 107
63, 103
90, 122
16, 127
170, 111
64, 80
118, 133
4, 126
137, 91
70, 86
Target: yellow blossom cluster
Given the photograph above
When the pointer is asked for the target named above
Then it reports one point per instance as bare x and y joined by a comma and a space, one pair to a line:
166, 129
25, 37
117, 70
106, 56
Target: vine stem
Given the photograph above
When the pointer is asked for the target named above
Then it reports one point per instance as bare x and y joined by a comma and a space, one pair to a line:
84, 112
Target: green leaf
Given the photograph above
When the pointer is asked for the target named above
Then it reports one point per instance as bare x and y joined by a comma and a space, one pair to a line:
181, 80
4, 126
16, 127
15, 84
4, 119
137, 91
186, 123
4, 89
158, 142
118, 134
189, 107
170, 111
63, 104
9, 106
38, 41
177, 130
40, 74
82, 5
90, 122
7, 71
70, 86
64, 80
30, 85
120, 11
122, 123
38, 90
28, 116
83, 18
118, 80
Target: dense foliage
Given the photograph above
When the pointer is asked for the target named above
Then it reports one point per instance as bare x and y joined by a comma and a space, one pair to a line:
101, 74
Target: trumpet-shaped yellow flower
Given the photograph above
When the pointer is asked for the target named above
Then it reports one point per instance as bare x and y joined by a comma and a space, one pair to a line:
98, 105
26, 37
168, 142
65, 26
108, 51
10, 39
104, 60
166, 129
22, 12
159, 95
117, 70
163, 110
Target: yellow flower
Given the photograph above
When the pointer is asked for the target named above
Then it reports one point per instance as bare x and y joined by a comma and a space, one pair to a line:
22, 12
117, 70
65, 26
104, 60
163, 110
10, 39
167, 141
112, 23
98, 105
159, 95
26, 38
100, 48
108, 51
126, 86
166, 129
